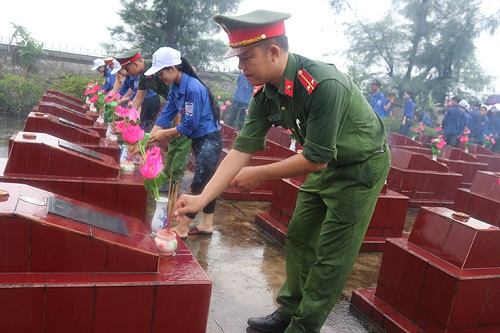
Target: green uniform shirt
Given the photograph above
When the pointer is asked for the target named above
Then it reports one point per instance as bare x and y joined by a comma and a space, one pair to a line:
153, 82
334, 123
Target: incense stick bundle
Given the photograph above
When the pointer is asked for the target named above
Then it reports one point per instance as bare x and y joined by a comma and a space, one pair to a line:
173, 191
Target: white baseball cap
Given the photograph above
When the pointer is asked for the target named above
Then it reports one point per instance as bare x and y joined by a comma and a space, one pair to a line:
463, 103
98, 63
116, 66
164, 57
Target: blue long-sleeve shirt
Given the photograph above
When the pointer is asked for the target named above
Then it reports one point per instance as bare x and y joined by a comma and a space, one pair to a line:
409, 109
192, 100
110, 80
454, 120
482, 128
132, 82
377, 102
243, 90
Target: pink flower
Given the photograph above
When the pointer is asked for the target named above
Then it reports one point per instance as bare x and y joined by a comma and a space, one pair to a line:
94, 99
228, 103
130, 113
439, 129
120, 125
153, 164
132, 133
112, 97
466, 130
218, 97
493, 141
121, 111
416, 130
288, 131
464, 138
223, 107
422, 126
246, 111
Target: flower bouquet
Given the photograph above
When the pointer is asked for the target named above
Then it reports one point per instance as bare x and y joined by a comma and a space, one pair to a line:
488, 140
223, 106
465, 139
416, 132
110, 104
92, 94
436, 145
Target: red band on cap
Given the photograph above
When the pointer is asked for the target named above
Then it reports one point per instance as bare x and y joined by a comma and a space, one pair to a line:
129, 60
247, 36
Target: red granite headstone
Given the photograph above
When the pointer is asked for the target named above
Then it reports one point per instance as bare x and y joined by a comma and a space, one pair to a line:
444, 278
482, 200
424, 181
56, 165
62, 275
70, 131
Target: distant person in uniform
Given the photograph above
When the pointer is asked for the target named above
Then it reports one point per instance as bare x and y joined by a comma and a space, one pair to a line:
453, 123
377, 99
101, 67
408, 113
241, 100
345, 157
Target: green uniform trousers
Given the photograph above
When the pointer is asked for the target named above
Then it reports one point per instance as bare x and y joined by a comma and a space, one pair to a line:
334, 208
178, 151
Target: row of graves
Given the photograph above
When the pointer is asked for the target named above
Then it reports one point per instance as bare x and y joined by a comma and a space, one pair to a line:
443, 276
76, 247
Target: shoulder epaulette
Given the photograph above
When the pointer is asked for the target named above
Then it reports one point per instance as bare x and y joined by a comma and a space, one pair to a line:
256, 89
307, 80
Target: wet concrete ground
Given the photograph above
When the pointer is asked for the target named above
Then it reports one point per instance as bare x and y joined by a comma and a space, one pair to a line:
247, 268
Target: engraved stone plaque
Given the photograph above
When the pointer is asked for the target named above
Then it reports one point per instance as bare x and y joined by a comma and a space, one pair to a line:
69, 109
87, 216
81, 150
73, 124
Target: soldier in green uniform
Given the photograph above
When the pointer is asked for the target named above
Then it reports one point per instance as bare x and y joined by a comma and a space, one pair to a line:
345, 156
179, 147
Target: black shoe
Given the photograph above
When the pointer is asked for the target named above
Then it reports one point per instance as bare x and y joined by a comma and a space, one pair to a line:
271, 323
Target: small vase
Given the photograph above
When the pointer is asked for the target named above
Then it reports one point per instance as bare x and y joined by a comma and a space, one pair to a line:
159, 220
434, 157
292, 145
467, 150
166, 242
124, 154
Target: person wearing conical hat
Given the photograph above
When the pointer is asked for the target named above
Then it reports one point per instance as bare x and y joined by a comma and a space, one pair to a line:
345, 157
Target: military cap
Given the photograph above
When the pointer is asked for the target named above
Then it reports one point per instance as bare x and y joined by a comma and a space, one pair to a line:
376, 82
245, 31
128, 56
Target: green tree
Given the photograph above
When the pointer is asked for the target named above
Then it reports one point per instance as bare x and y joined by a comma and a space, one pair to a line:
426, 46
24, 49
186, 25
